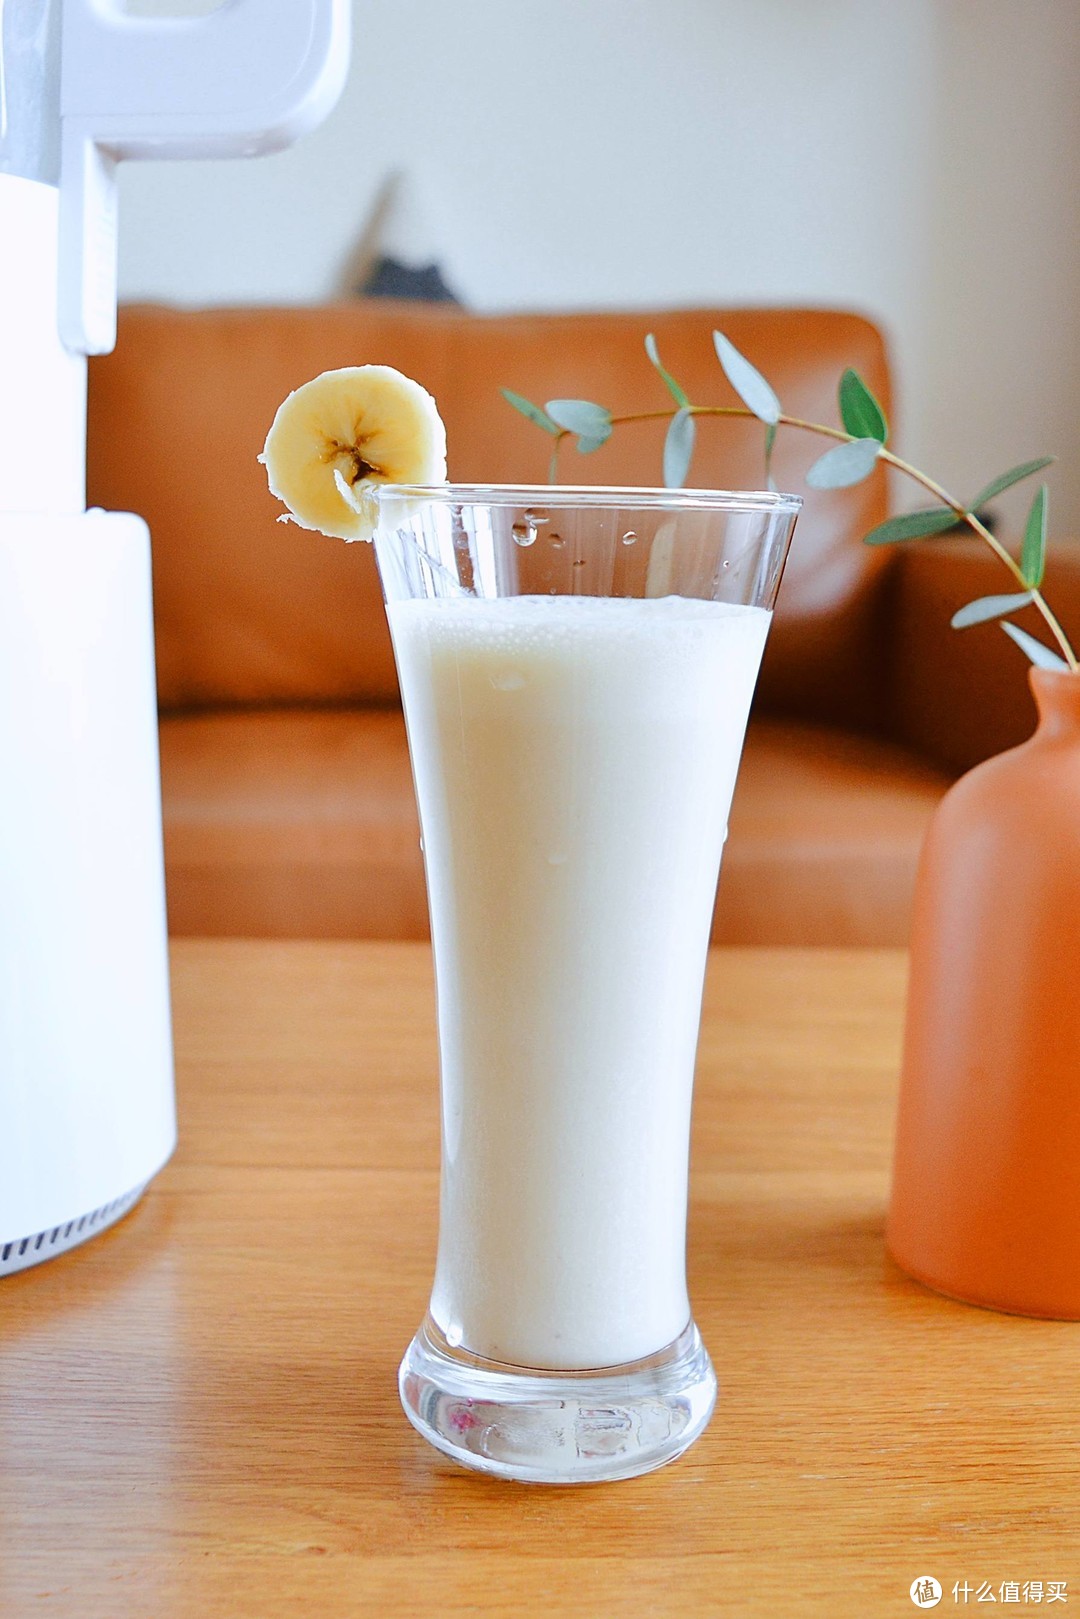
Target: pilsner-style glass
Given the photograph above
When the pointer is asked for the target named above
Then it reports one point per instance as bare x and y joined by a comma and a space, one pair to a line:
576, 667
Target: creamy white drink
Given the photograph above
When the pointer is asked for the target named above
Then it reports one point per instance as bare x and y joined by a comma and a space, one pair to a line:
574, 759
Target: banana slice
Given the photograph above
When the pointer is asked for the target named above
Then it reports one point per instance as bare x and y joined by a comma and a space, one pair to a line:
337, 437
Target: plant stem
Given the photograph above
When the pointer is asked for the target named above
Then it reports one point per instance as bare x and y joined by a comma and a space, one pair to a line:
933, 488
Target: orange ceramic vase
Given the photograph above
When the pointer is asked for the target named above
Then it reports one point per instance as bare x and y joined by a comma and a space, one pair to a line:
986, 1187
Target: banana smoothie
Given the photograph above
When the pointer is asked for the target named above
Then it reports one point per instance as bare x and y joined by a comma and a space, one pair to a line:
574, 760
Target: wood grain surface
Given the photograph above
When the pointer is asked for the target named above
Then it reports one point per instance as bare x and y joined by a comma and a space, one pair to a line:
198, 1410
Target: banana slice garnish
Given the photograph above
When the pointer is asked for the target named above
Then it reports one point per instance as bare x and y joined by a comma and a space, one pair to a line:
336, 438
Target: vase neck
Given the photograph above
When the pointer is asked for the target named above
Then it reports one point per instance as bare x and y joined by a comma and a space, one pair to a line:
1057, 697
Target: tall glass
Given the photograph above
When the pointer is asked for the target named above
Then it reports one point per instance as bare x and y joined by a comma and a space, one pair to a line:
576, 667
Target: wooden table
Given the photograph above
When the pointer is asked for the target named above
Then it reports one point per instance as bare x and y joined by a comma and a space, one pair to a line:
198, 1411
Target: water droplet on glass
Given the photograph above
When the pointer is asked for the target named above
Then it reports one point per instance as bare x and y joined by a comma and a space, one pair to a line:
508, 680
553, 591
579, 562
725, 563
536, 519
454, 1334
629, 537
524, 533
557, 541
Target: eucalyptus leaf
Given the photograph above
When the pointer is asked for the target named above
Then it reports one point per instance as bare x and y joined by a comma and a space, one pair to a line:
845, 465
860, 412
586, 444
580, 416
1007, 479
678, 449
1033, 551
1041, 656
912, 526
747, 382
770, 442
679, 394
987, 607
529, 410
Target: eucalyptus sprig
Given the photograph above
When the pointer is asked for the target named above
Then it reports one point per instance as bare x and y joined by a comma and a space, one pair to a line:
860, 446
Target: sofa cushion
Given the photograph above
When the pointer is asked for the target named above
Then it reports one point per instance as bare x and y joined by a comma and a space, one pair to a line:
252, 611
294, 823
825, 834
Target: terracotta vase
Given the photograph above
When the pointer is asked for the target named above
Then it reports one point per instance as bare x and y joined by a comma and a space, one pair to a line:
986, 1188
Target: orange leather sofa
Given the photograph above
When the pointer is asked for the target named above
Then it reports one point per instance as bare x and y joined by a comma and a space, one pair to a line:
287, 796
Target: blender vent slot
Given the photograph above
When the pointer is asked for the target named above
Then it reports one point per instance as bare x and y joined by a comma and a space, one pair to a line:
22, 1252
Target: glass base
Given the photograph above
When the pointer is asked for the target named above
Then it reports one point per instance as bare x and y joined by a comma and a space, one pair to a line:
545, 1427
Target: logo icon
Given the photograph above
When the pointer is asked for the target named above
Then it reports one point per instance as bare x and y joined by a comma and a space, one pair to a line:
925, 1592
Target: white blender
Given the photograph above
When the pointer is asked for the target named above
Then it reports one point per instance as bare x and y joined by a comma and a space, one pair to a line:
86, 1086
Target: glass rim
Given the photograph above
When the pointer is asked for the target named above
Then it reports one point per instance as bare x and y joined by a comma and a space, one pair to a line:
623, 496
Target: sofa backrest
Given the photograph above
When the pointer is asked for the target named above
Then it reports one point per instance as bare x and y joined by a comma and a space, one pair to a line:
250, 611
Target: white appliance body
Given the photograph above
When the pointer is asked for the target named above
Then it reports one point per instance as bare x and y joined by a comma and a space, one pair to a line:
86, 1085
87, 1114
86, 1081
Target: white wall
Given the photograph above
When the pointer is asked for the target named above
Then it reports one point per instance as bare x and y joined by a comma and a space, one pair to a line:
920, 162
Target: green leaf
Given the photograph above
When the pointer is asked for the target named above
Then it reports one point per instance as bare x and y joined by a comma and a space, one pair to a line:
977, 612
747, 382
845, 465
532, 412
580, 416
1007, 479
1033, 552
678, 449
1041, 656
680, 396
770, 441
912, 526
860, 412
587, 444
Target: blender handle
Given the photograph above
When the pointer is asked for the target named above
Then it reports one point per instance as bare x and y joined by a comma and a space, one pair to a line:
248, 78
